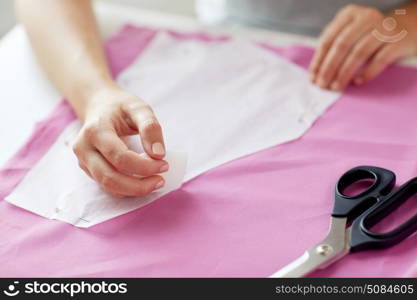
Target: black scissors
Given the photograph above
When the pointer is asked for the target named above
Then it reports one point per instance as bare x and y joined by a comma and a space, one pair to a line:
352, 218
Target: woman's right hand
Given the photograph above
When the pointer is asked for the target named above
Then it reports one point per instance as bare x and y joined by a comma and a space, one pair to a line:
102, 154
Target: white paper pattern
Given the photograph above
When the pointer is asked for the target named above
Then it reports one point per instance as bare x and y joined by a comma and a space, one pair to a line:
216, 101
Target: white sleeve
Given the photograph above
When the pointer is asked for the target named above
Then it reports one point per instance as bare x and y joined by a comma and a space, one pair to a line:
211, 11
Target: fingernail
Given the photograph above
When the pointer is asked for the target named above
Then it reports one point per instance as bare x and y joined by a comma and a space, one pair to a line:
335, 86
159, 185
312, 78
158, 149
321, 83
164, 168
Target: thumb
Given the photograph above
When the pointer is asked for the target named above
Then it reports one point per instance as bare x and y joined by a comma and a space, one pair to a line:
149, 129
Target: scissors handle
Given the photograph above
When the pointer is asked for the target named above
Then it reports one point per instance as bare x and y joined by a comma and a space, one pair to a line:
363, 238
351, 206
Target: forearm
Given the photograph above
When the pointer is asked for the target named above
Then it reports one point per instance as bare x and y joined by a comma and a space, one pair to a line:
65, 38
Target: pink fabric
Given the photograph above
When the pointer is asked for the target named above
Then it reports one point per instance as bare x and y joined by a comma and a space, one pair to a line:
246, 218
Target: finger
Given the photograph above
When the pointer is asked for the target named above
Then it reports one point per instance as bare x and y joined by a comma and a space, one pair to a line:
387, 55
356, 58
326, 39
115, 195
110, 145
149, 129
85, 169
338, 51
80, 149
117, 183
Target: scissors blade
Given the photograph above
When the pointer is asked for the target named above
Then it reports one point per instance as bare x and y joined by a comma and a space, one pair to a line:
331, 249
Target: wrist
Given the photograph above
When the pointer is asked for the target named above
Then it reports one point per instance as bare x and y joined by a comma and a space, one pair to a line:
97, 98
404, 22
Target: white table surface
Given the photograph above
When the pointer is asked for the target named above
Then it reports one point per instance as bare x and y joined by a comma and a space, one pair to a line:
26, 95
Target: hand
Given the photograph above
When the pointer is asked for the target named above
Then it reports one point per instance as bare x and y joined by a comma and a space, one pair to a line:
358, 45
103, 155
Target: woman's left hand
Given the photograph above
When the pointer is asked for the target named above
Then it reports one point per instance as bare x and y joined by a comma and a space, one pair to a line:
357, 46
